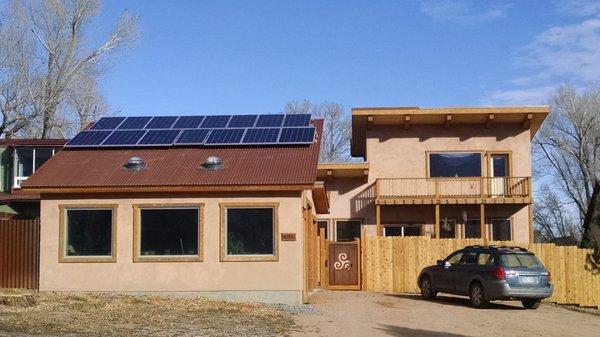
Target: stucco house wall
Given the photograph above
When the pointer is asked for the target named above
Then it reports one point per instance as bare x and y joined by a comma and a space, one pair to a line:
276, 281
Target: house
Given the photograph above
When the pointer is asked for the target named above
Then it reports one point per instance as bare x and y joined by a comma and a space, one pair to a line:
20, 158
184, 205
436, 172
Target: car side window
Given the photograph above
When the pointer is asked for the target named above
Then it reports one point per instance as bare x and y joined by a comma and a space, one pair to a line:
485, 259
455, 258
469, 258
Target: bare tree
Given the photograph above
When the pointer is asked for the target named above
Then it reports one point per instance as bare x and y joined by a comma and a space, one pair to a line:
567, 155
337, 128
62, 65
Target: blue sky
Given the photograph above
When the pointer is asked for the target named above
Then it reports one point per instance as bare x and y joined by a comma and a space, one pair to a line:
200, 57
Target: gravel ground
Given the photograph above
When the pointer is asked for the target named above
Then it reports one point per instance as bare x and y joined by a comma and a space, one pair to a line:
122, 315
374, 314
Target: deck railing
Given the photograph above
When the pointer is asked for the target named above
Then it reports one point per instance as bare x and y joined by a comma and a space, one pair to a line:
454, 187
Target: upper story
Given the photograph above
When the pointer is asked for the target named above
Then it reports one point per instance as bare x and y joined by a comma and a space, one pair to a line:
433, 155
20, 158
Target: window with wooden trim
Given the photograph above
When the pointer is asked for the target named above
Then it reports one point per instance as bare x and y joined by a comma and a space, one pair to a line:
447, 228
347, 230
403, 230
472, 229
168, 233
249, 232
455, 164
87, 234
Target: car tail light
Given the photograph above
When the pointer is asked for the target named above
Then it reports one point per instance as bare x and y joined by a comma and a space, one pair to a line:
499, 273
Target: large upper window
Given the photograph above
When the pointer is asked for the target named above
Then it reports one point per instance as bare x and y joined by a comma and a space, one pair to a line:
87, 234
249, 233
455, 164
168, 233
27, 160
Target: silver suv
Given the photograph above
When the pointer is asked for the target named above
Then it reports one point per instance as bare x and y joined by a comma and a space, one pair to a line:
487, 273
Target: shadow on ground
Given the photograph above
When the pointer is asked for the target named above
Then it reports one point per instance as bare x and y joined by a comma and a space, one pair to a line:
394, 330
456, 301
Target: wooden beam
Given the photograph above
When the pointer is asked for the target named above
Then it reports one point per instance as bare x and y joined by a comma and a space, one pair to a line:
378, 220
448, 121
406, 122
490, 121
527, 121
437, 221
484, 235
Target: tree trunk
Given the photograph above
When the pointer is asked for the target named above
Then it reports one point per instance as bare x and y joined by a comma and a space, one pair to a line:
591, 224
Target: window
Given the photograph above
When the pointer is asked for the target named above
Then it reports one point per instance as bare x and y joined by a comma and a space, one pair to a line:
167, 233
403, 230
470, 258
448, 228
520, 261
455, 164
27, 160
454, 258
87, 234
472, 229
322, 224
485, 259
347, 230
501, 230
249, 233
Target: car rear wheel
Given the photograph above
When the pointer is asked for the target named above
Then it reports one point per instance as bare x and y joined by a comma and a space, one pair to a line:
477, 296
426, 289
531, 304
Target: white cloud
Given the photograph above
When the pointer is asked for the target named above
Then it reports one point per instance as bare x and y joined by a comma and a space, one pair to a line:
567, 53
464, 12
578, 7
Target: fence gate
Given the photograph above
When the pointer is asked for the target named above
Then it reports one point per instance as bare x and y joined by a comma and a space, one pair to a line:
344, 265
19, 253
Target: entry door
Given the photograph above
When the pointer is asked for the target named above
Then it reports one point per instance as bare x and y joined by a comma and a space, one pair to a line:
498, 174
344, 265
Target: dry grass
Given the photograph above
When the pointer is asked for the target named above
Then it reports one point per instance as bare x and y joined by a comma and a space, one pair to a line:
121, 315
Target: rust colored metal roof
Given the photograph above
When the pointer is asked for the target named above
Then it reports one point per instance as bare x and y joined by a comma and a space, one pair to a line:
179, 167
33, 142
19, 195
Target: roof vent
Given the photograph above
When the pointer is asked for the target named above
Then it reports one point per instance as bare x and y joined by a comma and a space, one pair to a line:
212, 163
135, 164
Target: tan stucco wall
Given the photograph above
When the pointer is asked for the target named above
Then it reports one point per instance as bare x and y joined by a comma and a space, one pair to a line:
394, 152
280, 281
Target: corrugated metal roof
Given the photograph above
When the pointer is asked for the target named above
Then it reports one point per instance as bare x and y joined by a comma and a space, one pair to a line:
290, 165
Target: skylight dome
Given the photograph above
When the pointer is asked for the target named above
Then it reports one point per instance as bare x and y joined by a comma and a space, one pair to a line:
212, 163
135, 164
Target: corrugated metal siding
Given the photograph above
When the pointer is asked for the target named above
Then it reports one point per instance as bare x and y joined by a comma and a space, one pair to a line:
19, 254
291, 165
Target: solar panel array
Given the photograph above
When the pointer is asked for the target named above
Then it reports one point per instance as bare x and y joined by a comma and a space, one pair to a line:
219, 130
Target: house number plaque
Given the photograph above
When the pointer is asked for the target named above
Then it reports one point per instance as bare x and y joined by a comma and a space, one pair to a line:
288, 236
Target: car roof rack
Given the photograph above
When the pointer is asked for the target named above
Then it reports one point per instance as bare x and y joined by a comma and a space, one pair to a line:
497, 247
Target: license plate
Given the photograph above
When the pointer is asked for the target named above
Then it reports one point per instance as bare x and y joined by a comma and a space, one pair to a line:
529, 279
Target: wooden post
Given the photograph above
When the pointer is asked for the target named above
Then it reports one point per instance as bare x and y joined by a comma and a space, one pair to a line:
437, 221
484, 235
378, 220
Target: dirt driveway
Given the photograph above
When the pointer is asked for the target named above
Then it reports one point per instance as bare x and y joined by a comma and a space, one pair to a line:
371, 314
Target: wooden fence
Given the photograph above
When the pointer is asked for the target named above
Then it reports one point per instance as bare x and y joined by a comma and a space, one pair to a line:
392, 264
19, 253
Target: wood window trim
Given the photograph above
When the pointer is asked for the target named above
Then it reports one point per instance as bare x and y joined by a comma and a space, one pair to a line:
62, 231
223, 229
421, 226
491, 230
481, 152
334, 222
138, 258
488, 157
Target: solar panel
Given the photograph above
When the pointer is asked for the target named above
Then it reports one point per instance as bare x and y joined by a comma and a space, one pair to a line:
269, 121
132, 123
261, 136
89, 138
120, 138
215, 121
188, 122
163, 122
242, 121
297, 135
107, 123
159, 137
192, 137
225, 137
297, 120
